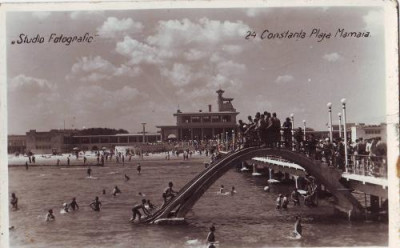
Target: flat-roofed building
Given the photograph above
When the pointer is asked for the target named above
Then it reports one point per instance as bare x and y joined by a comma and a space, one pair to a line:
203, 125
16, 143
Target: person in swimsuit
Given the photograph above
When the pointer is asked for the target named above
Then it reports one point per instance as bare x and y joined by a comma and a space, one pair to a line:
89, 172
126, 178
136, 208
14, 202
74, 204
285, 202
50, 215
295, 197
96, 204
139, 168
222, 189
169, 193
211, 235
116, 191
279, 201
233, 191
297, 226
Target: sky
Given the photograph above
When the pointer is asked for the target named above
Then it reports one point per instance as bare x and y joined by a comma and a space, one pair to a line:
144, 64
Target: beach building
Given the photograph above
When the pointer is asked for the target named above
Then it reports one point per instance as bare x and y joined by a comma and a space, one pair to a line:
61, 141
203, 125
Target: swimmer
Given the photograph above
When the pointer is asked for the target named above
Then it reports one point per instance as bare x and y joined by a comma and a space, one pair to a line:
297, 227
104, 191
233, 191
222, 189
141, 194
295, 197
136, 208
169, 192
74, 204
150, 205
116, 191
211, 235
50, 216
14, 202
95, 205
89, 172
139, 168
279, 201
126, 178
285, 202
65, 207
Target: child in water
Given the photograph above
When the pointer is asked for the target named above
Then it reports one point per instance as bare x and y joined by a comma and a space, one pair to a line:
14, 202
96, 204
211, 235
50, 216
297, 227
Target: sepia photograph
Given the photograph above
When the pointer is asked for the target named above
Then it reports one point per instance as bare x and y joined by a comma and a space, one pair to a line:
200, 126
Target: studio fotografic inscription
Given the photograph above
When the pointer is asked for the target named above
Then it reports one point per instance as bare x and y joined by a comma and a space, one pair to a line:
315, 33
54, 38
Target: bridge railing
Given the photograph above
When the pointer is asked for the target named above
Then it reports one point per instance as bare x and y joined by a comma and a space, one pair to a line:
366, 165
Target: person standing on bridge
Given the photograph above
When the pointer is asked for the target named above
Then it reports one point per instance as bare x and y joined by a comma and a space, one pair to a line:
287, 132
276, 131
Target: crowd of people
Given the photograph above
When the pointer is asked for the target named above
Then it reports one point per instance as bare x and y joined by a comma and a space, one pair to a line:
265, 130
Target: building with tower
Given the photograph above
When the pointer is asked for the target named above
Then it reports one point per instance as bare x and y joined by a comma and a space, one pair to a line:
203, 125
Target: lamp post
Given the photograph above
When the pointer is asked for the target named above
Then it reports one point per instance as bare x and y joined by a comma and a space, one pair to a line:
233, 140
144, 132
226, 141
292, 119
329, 105
304, 126
340, 124
345, 133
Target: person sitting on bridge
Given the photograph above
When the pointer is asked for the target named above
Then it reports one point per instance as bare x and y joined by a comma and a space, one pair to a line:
136, 208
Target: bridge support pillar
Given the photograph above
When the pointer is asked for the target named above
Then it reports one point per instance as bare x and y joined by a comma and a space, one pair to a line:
374, 203
296, 182
270, 173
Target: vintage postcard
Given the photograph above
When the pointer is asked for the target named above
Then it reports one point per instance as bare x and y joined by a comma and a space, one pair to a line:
199, 124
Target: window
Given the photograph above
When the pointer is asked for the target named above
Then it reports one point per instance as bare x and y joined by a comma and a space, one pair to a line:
215, 118
196, 119
206, 119
226, 118
123, 139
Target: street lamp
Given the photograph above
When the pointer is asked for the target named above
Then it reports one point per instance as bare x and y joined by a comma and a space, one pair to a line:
345, 132
233, 140
340, 124
304, 126
329, 105
292, 119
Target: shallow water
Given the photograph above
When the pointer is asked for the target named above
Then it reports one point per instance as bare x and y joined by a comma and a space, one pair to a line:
247, 219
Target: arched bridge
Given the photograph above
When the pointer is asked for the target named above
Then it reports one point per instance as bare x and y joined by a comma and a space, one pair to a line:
194, 189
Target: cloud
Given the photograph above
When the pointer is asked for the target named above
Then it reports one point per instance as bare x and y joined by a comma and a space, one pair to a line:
41, 15
232, 49
332, 57
195, 54
139, 52
180, 33
373, 21
22, 83
284, 79
89, 69
179, 75
114, 27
